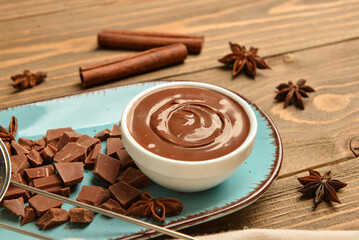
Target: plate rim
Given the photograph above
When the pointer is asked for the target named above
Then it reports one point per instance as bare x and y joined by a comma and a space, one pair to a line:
207, 215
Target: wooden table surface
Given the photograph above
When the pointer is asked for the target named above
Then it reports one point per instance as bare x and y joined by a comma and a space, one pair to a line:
314, 40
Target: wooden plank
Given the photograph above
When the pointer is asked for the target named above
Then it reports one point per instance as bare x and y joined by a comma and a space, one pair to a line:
320, 134
60, 42
283, 207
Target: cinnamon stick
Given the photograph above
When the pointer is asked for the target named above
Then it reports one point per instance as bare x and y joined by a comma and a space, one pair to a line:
139, 40
141, 62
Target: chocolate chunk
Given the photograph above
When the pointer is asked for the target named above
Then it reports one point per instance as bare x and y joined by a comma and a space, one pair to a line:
93, 195
88, 142
34, 158
113, 206
107, 168
60, 191
72, 152
32, 173
52, 218
19, 163
8, 147
114, 145
26, 143
71, 173
125, 158
66, 138
53, 143
15, 206
134, 177
103, 135
124, 193
116, 131
91, 158
47, 154
18, 149
55, 134
81, 215
29, 215
42, 204
48, 182
15, 192
39, 144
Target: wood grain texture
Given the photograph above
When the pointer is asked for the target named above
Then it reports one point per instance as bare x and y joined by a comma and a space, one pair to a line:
321, 133
58, 37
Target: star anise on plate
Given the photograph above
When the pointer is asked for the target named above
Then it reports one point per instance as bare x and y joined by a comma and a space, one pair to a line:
322, 187
28, 79
293, 93
245, 60
157, 208
9, 135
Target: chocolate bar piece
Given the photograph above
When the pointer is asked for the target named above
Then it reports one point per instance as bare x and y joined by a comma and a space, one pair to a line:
124, 193
72, 152
66, 138
26, 143
47, 154
71, 173
39, 144
114, 145
48, 182
107, 168
93, 195
92, 157
60, 191
52, 218
81, 215
32, 173
55, 134
15, 206
113, 206
126, 159
18, 149
19, 163
134, 177
103, 135
29, 215
34, 158
42, 204
15, 192
116, 131
88, 142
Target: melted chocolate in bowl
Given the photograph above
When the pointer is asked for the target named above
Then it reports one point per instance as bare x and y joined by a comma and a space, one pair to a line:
188, 123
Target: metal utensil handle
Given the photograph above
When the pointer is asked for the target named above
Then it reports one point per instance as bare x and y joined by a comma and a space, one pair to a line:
104, 212
26, 232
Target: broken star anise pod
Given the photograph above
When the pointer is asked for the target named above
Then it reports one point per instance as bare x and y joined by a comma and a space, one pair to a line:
157, 208
9, 135
28, 79
293, 93
245, 60
322, 187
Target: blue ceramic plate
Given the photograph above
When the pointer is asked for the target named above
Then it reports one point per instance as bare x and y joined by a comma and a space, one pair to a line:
89, 113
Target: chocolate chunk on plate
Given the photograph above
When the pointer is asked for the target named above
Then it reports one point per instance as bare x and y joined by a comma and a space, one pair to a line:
47, 154
48, 182
15, 192
125, 193
125, 158
134, 177
114, 145
107, 168
52, 218
18, 149
81, 215
66, 138
32, 173
34, 158
103, 135
116, 131
55, 134
19, 163
29, 215
42, 204
113, 206
92, 157
71, 173
93, 195
88, 142
15, 206
72, 152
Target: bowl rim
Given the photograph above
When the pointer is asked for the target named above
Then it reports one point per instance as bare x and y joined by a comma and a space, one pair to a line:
249, 111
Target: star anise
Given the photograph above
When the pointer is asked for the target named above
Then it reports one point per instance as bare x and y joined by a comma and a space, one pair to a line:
158, 208
9, 135
28, 79
243, 59
322, 187
293, 94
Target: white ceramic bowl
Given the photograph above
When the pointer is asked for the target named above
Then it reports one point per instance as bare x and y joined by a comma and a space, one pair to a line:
188, 176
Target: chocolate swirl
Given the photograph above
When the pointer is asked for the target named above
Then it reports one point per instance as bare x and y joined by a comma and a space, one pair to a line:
188, 123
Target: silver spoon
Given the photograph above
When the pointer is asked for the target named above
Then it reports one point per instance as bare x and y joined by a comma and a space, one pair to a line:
5, 180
